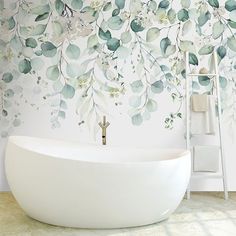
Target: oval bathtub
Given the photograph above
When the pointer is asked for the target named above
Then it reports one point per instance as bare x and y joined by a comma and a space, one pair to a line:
92, 186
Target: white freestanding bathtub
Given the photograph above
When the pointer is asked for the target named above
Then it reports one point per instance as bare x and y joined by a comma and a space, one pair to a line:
92, 186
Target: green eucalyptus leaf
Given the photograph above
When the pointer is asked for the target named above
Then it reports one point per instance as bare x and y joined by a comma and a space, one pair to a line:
57, 28
137, 86
107, 6
187, 26
218, 29
171, 49
230, 5
187, 46
195, 85
113, 44
152, 34
3, 44
31, 42
77, 4
59, 5
203, 18
183, 15
72, 70
73, 51
52, 72
40, 9
4, 133
165, 42
57, 86
7, 77
126, 37
152, 5
122, 52
68, 91
193, 60
232, 15
135, 101
116, 12
232, 24
183, 73
169, 76
185, 3
38, 30
115, 23
7, 103
136, 25
214, 3
4, 113
223, 82
25, 31
38, 53
37, 64
48, 49
120, 3
164, 68
9, 93
104, 35
92, 41
151, 105
63, 105
221, 51
137, 119
231, 42
157, 87
42, 17
62, 114
91, 13
204, 80
1, 5
16, 122
206, 49
164, 4
11, 23
24, 66
171, 14
146, 115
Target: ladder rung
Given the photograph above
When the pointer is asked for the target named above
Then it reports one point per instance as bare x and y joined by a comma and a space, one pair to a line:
201, 74
208, 175
198, 135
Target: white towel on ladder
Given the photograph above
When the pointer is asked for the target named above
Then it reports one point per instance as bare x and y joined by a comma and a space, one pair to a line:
206, 158
204, 122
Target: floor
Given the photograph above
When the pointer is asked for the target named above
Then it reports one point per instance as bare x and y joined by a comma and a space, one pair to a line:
206, 214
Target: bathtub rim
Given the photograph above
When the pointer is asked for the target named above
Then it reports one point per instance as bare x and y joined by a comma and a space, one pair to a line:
177, 153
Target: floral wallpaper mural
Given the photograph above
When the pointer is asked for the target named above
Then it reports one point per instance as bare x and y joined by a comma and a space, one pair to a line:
99, 50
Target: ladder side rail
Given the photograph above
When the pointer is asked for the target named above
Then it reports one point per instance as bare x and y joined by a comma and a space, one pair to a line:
223, 164
187, 110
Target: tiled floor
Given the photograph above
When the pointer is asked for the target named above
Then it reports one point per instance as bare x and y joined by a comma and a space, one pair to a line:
206, 214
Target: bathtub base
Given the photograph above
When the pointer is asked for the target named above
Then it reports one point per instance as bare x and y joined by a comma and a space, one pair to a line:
104, 226
72, 185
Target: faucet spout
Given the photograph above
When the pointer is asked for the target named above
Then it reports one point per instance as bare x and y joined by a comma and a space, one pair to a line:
104, 124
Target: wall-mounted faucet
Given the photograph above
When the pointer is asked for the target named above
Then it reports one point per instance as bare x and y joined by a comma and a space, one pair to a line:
104, 124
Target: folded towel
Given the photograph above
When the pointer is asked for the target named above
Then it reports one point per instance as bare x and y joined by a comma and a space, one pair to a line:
210, 116
199, 102
204, 122
206, 158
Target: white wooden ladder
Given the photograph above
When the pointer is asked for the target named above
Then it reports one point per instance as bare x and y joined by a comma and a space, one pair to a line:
188, 91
